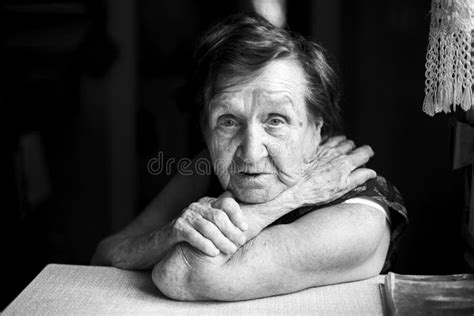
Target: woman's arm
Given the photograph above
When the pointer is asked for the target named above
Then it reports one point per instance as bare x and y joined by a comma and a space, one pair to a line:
149, 237
332, 245
207, 227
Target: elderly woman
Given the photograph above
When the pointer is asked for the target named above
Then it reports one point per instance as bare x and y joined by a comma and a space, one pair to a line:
296, 208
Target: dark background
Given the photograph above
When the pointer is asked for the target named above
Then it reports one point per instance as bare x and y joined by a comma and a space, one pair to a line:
90, 92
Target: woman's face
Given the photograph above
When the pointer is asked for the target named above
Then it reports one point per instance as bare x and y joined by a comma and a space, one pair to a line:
259, 134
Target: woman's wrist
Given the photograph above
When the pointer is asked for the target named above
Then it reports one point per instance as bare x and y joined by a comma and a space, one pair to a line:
261, 215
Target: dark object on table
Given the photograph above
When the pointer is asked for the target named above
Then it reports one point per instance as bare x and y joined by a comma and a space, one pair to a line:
418, 294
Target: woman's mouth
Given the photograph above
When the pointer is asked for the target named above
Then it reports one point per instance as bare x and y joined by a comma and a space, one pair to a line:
252, 174
252, 178
249, 174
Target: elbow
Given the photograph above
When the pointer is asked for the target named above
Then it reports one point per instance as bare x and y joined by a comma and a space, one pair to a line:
103, 255
368, 247
176, 279
374, 263
371, 268
167, 285
171, 277
108, 253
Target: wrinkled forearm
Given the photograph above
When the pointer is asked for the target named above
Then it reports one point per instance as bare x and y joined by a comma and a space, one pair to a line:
180, 280
337, 244
134, 251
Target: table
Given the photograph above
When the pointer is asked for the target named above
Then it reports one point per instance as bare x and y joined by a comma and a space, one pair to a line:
89, 290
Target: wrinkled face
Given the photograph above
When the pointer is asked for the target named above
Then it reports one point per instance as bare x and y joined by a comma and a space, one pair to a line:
259, 134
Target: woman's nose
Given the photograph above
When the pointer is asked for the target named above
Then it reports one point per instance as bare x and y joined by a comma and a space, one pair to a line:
252, 147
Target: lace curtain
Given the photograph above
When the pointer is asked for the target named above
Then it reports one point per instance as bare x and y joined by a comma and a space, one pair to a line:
449, 60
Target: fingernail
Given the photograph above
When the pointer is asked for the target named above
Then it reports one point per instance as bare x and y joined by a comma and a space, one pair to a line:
215, 252
242, 240
245, 226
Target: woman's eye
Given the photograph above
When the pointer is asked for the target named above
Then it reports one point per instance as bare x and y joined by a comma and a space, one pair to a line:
228, 122
276, 121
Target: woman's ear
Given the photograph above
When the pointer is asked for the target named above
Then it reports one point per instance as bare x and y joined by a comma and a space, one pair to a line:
319, 125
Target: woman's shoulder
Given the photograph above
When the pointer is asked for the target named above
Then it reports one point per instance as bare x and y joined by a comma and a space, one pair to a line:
382, 192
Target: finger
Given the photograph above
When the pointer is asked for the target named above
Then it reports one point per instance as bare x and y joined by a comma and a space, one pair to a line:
226, 194
211, 232
206, 199
360, 176
360, 156
195, 239
334, 141
345, 146
232, 209
222, 221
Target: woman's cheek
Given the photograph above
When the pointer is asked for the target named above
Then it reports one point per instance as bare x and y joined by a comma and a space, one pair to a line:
221, 155
289, 161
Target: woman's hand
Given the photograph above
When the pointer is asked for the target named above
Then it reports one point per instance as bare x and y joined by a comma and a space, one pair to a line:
335, 169
212, 225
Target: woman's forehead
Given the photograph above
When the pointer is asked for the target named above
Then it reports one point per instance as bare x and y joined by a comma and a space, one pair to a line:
280, 81
237, 96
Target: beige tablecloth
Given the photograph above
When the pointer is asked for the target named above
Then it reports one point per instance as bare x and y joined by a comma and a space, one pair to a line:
86, 290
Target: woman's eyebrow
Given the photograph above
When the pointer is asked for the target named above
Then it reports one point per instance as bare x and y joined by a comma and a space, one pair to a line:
226, 96
220, 105
217, 107
223, 100
279, 98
